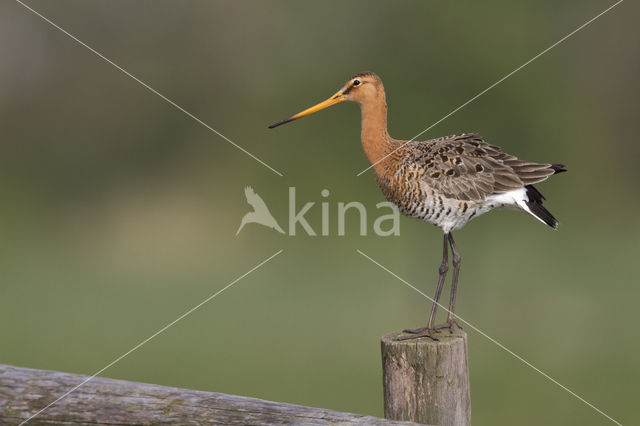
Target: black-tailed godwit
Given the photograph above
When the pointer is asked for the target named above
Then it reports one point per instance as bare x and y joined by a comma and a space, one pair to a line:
446, 181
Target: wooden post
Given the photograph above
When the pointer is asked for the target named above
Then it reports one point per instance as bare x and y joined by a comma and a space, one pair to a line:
427, 381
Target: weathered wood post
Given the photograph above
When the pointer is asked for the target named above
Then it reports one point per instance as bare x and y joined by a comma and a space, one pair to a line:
427, 381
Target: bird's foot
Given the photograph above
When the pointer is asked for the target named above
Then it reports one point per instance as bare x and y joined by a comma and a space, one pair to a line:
416, 333
450, 324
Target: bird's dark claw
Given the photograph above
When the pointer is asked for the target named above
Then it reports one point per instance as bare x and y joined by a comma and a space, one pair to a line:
416, 333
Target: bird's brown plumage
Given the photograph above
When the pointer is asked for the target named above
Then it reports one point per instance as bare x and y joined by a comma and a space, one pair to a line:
464, 167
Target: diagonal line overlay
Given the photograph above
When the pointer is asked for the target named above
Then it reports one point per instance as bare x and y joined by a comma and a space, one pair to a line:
190, 311
146, 86
495, 84
500, 345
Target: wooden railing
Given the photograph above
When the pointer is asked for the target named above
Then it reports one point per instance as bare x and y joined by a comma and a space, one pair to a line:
100, 401
424, 381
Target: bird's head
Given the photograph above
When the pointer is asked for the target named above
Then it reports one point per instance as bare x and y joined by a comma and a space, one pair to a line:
361, 88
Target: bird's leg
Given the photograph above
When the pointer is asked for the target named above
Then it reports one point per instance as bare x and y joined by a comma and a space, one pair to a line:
442, 271
451, 321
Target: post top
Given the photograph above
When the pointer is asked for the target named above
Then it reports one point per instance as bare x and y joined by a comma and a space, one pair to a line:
444, 336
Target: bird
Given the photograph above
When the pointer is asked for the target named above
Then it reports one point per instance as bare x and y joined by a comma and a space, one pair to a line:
260, 213
445, 181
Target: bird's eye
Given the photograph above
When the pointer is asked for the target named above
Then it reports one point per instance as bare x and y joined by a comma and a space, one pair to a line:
356, 82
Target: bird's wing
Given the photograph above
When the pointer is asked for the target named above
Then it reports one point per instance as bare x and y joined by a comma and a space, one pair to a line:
254, 199
464, 167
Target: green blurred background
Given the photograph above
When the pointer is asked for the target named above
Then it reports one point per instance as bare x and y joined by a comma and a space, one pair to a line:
118, 213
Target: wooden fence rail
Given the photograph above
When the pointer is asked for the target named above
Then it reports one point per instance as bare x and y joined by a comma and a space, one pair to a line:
100, 401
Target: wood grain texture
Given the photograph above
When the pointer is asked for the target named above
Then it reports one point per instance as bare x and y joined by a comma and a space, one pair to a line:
427, 381
101, 401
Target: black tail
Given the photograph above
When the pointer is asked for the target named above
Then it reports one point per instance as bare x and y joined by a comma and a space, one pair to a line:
536, 198
536, 207
558, 168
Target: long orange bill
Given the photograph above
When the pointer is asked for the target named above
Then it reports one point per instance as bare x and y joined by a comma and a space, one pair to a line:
335, 99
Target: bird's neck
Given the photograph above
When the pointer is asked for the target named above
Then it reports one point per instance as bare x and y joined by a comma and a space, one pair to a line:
376, 142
